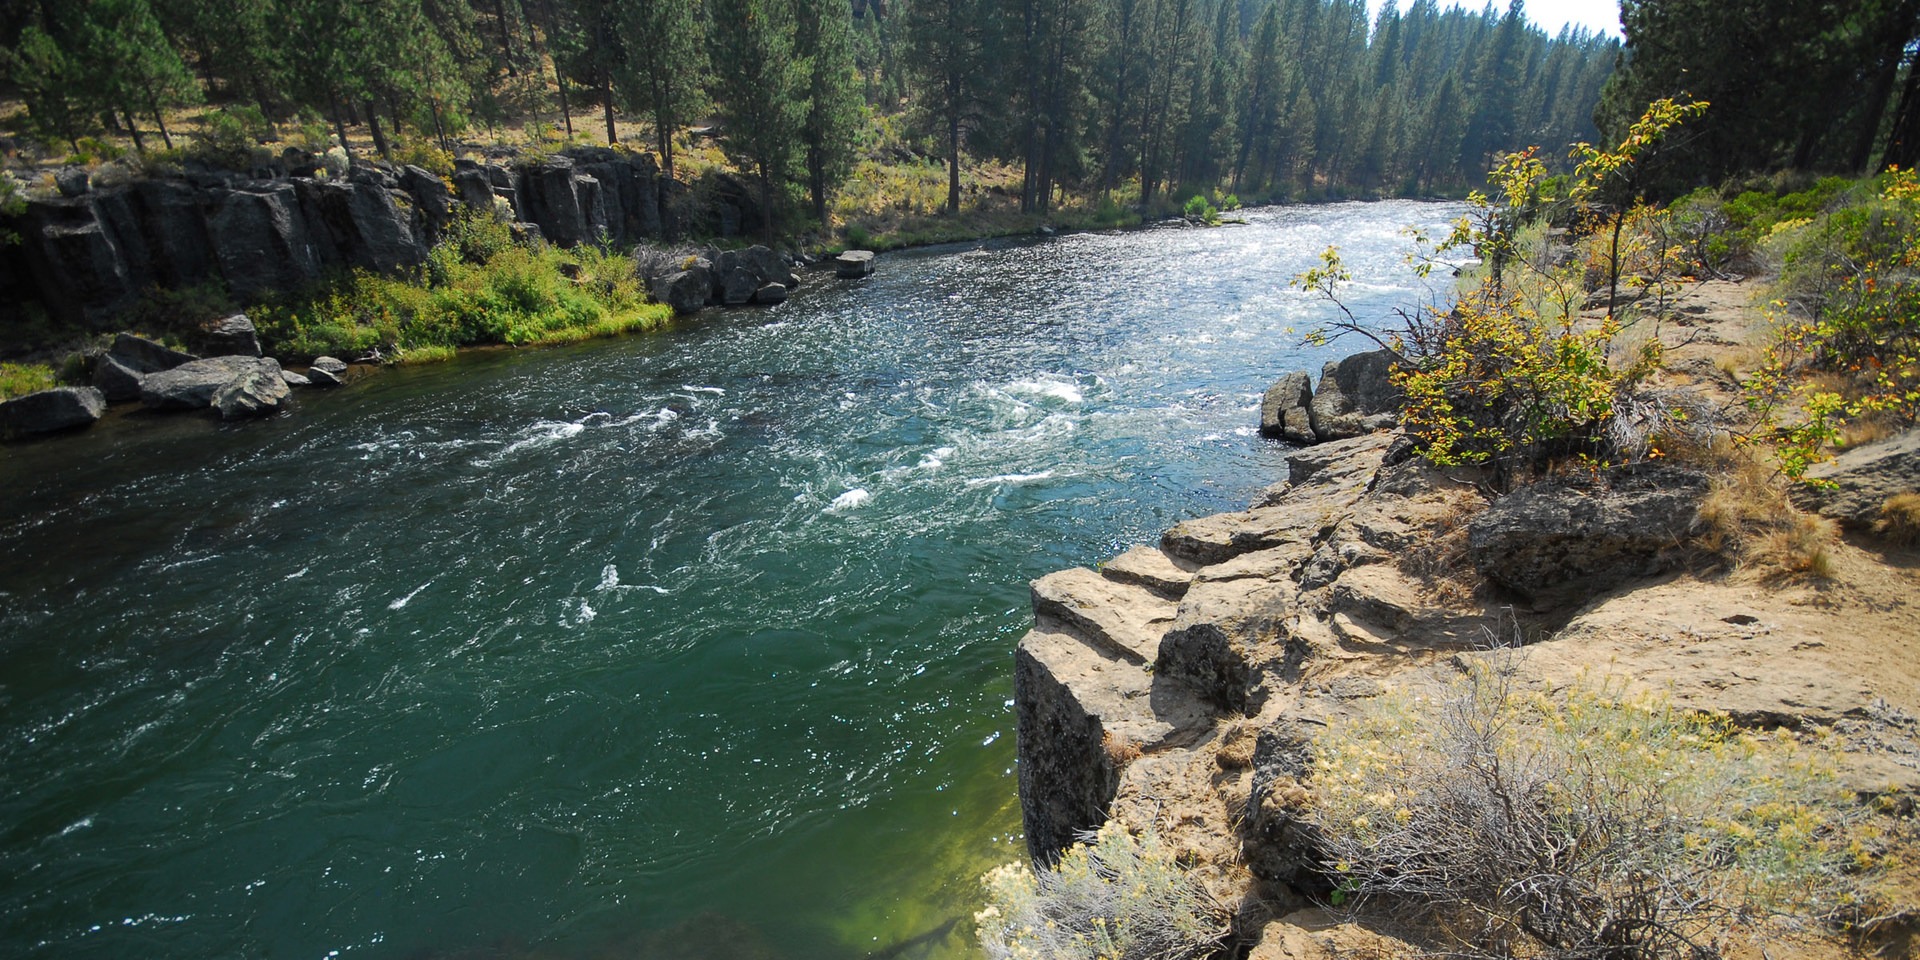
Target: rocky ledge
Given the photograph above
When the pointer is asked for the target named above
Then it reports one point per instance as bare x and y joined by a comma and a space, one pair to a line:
1178, 687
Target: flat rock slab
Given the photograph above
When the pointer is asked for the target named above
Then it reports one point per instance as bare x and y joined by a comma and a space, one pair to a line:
50, 411
1152, 569
256, 392
1126, 620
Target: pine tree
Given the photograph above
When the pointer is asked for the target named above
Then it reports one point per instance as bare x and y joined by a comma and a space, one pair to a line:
665, 79
824, 45
947, 44
757, 85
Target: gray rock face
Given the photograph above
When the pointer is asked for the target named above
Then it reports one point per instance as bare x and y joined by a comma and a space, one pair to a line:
261, 240
1285, 410
1863, 478
114, 380
330, 365
565, 203
295, 379
256, 391
50, 411
193, 385
72, 181
737, 287
1355, 396
1559, 545
771, 293
684, 290
853, 264
232, 336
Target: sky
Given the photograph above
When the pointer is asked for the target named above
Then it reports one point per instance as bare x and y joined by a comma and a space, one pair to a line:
1550, 15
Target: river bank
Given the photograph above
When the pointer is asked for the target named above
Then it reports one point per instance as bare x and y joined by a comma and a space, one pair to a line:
1179, 689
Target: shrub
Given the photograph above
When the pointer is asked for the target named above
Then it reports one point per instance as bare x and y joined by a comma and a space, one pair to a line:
1848, 345
1595, 824
1508, 375
228, 138
1113, 896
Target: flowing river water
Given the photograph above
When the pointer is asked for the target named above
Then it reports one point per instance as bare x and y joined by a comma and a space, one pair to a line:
695, 644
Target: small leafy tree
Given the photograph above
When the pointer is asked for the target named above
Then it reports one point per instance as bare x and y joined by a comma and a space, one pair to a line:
1509, 375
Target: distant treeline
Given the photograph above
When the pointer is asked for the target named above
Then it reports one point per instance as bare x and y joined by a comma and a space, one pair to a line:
1150, 98
1808, 85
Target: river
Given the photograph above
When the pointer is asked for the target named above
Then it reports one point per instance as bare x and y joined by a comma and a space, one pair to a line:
695, 644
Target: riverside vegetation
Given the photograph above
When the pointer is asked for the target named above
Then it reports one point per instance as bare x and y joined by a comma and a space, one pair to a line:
1589, 816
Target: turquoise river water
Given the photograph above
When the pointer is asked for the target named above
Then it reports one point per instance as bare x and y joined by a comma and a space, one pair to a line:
695, 644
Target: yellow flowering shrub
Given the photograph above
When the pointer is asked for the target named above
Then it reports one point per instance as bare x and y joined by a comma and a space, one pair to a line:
1113, 896
1590, 823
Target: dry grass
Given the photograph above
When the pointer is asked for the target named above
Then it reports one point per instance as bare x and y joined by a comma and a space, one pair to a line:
1438, 558
1120, 750
1748, 521
1900, 520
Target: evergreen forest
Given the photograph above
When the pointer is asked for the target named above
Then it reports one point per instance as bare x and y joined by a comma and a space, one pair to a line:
1145, 101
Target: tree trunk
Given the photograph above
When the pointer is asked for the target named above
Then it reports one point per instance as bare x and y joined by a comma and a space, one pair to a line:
373, 127
506, 39
953, 157
606, 90
160, 119
1903, 141
339, 124
139, 146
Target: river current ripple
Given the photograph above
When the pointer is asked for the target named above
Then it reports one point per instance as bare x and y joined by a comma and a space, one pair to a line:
695, 644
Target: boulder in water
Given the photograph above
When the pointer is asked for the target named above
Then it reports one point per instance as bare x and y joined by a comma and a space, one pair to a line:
50, 411
853, 264
257, 391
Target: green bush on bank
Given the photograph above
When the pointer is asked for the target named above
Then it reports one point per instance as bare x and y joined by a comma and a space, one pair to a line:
478, 287
20, 379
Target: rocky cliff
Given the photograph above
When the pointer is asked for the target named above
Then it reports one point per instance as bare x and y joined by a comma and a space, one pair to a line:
86, 255
1178, 688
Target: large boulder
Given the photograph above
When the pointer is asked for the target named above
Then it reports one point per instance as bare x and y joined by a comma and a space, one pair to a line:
1855, 485
770, 293
232, 336
117, 373
194, 385
256, 391
737, 287
1285, 409
684, 290
326, 372
49, 411
853, 264
1560, 544
1355, 396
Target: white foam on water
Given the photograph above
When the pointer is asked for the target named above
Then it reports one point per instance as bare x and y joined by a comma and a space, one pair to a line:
542, 433
851, 500
1011, 478
610, 581
1048, 387
403, 601
716, 391
935, 460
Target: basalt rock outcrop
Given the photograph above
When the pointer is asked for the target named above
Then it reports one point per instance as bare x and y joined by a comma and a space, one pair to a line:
88, 253
1355, 396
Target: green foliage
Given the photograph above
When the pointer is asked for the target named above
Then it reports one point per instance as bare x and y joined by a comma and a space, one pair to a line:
20, 379
479, 288
1113, 896
1507, 375
1592, 822
230, 138
1848, 345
